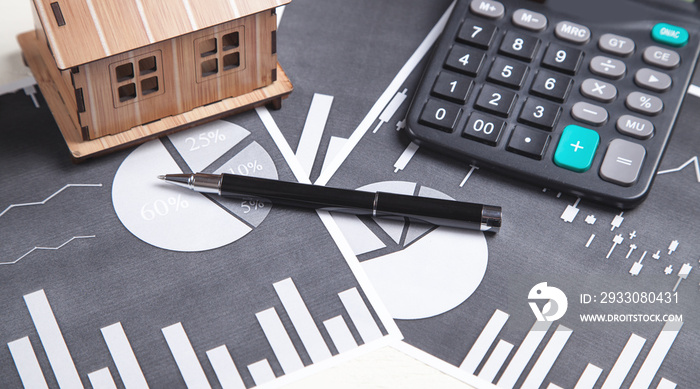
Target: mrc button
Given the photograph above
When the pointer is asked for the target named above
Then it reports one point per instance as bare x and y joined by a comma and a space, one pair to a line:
572, 32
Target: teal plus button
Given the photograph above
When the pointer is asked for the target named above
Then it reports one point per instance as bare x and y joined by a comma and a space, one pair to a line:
670, 35
576, 148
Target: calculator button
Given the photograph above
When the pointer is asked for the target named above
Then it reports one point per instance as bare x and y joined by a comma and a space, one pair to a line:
589, 113
670, 35
440, 114
477, 33
598, 90
562, 58
552, 86
528, 142
520, 46
529, 20
484, 129
487, 8
465, 60
453, 87
653, 80
508, 72
663, 58
622, 162
576, 148
572, 32
608, 67
615, 44
644, 103
496, 100
635, 127
540, 114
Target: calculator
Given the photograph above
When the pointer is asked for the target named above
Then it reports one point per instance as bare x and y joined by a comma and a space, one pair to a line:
575, 96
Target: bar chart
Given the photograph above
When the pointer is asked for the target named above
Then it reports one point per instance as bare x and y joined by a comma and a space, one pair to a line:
487, 366
182, 350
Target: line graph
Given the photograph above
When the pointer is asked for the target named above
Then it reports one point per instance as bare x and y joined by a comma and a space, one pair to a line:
693, 161
37, 248
50, 197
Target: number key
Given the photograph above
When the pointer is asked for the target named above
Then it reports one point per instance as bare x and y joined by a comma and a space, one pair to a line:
562, 58
440, 114
465, 60
453, 87
540, 114
484, 129
508, 73
518, 45
496, 101
551, 85
477, 34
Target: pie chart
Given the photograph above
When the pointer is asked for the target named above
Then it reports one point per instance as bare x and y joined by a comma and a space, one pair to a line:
418, 270
180, 219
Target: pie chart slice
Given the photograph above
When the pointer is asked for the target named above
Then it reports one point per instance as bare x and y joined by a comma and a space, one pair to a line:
433, 275
179, 219
431, 272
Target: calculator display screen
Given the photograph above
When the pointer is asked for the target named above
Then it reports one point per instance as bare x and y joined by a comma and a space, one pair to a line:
621, 10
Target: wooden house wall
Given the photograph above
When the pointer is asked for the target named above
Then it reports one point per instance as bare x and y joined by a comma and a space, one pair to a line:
62, 78
179, 87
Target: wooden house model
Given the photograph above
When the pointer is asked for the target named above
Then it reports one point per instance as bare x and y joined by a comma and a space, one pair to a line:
115, 73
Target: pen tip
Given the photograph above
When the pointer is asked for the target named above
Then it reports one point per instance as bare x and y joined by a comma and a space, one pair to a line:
161, 177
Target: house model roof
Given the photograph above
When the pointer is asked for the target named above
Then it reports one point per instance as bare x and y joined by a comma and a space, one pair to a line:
82, 31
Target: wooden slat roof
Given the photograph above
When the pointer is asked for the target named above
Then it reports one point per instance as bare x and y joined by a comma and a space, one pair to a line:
95, 29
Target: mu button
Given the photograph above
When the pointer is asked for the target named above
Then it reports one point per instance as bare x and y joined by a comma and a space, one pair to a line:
576, 148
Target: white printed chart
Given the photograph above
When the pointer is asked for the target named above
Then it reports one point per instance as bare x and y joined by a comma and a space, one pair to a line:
415, 268
179, 219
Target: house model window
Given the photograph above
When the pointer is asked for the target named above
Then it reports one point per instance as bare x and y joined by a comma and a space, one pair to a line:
137, 79
219, 54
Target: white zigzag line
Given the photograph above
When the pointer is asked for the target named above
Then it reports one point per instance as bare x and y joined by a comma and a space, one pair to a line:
46, 248
693, 160
48, 198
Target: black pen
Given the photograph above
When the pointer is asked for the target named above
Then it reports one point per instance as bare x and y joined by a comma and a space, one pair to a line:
439, 212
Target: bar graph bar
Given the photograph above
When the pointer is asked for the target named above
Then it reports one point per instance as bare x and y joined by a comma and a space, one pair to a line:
547, 358
312, 133
123, 357
624, 362
524, 354
51, 338
495, 362
185, 357
26, 363
353, 323
589, 377
261, 372
656, 355
334, 146
102, 379
483, 343
360, 315
224, 368
666, 384
301, 319
279, 340
340, 334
